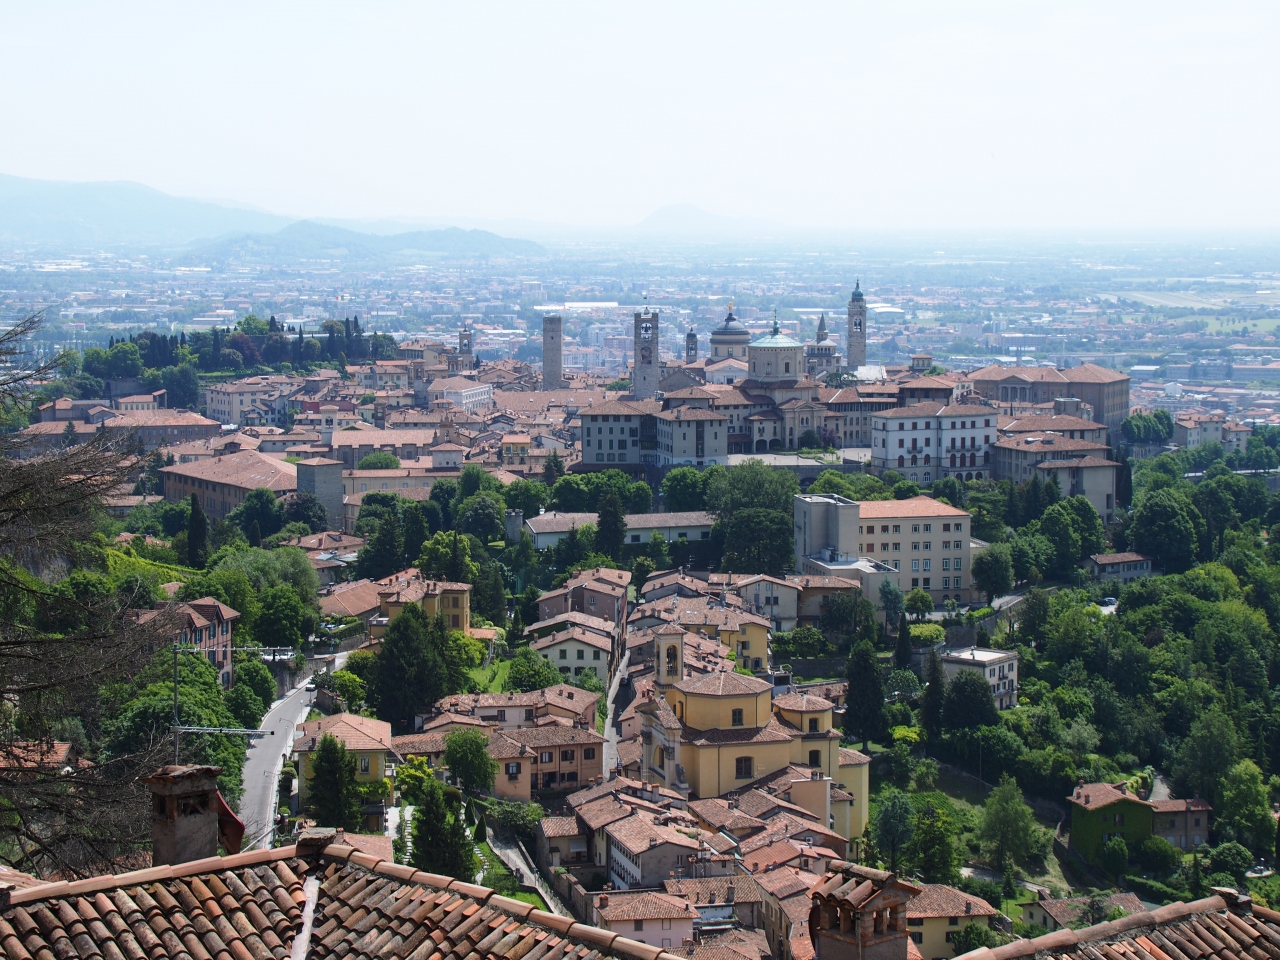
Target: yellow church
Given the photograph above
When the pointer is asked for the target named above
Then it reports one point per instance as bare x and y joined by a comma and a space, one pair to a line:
707, 735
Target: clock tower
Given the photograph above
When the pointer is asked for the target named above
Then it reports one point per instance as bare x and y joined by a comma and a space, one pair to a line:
857, 328
644, 376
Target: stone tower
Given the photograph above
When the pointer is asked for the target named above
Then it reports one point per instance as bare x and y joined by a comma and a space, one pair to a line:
691, 347
552, 352
466, 357
644, 377
857, 328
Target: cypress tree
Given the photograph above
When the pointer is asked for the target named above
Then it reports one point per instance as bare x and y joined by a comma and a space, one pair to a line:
197, 535
255, 534
334, 797
902, 650
935, 693
611, 526
864, 705
440, 841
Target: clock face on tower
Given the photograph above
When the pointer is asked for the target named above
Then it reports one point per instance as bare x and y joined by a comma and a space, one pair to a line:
646, 331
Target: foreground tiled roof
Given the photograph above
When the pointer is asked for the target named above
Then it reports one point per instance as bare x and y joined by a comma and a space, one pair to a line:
1178, 931
250, 907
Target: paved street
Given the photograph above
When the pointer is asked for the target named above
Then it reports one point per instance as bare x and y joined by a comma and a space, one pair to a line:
266, 756
610, 730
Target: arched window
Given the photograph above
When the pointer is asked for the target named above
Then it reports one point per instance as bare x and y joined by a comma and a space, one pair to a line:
672, 666
902, 461
953, 459
914, 459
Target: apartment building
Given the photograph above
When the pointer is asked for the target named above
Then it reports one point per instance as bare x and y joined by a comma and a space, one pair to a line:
927, 441
999, 667
550, 757
692, 437
924, 542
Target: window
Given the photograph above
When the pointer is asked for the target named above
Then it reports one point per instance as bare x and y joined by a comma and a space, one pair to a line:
588, 753
595, 654
513, 769
737, 718
564, 654
928, 527
897, 528
502, 715
582, 654
528, 714
639, 924
813, 724
547, 756
566, 756
742, 768
916, 546
364, 764
915, 567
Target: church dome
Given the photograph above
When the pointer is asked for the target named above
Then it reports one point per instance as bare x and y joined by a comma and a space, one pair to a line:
730, 338
857, 291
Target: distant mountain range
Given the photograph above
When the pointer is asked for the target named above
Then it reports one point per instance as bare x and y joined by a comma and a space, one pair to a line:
308, 240
83, 216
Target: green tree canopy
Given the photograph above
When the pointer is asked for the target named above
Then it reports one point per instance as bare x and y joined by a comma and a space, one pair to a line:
685, 490
968, 704
333, 795
758, 541
381, 460
466, 755
529, 671
1007, 828
893, 826
864, 705
441, 844
993, 571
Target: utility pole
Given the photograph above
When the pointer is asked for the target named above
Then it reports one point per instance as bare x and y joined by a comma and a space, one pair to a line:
177, 728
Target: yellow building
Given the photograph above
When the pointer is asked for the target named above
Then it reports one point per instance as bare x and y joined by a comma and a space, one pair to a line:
368, 739
853, 776
451, 600
938, 913
711, 734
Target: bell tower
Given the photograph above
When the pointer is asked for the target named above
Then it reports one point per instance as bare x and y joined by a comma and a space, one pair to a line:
690, 347
668, 644
466, 358
644, 377
857, 328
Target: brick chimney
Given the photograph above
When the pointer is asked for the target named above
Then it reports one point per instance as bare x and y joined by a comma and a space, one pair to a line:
184, 813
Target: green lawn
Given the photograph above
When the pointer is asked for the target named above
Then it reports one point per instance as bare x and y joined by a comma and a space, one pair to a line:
499, 878
491, 678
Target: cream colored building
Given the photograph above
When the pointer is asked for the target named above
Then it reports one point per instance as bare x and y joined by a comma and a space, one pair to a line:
938, 913
693, 437
927, 543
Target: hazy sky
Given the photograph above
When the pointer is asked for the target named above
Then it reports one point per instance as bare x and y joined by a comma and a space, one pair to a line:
954, 115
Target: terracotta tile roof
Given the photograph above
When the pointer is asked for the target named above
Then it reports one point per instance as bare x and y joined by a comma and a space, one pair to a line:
644, 906
598, 814
553, 735
940, 900
1092, 373
1179, 806
247, 470
724, 684
787, 882
596, 624
1094, 795
1067, 911
715, 889
912, 507
852, 758
350, 599
357, 732
772, 732
635, 832
250, 907
1186, 931
717, 812
418, 744
561, 827
802, 702
581, 634
1104, 558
